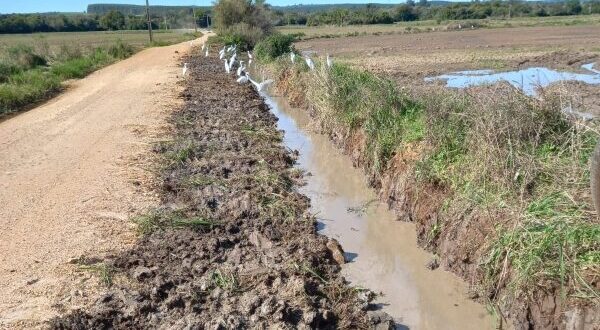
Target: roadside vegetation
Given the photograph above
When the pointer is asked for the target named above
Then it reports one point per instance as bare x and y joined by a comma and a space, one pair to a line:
32, 72
498, 183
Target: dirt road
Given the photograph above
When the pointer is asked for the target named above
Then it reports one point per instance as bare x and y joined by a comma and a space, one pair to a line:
72, 172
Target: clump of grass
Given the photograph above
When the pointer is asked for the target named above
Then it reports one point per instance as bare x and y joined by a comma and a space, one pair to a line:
555, 244
104, 272
181, 152
26, 87
155, 221
224, 279
352, 99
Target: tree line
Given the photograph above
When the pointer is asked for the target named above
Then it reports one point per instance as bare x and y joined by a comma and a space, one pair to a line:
185, 17
111, 20
423, 10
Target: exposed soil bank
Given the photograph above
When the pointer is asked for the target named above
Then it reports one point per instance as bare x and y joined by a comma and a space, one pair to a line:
383, 253
233, 245
460, 239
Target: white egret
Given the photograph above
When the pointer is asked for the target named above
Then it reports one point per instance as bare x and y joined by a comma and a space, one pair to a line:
227, 68
310, 63
240, 68
185, 69
232, 60
293, 57
262, 85
243, 79
206, 53
329, 61
249, 55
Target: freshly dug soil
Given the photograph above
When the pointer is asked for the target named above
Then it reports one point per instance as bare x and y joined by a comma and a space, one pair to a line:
233, 245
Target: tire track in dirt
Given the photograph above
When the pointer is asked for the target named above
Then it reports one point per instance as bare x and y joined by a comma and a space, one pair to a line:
72, 171
232, 245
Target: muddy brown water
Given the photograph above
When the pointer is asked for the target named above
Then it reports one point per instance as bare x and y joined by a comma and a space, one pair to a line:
383, 254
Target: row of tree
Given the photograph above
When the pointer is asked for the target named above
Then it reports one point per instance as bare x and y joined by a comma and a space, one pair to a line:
178, 17
112, 20
411, 11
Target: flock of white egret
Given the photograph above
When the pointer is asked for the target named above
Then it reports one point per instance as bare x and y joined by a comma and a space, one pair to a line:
228, 54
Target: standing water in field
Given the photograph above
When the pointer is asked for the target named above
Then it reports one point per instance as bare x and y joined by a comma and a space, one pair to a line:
382, 253
527, 80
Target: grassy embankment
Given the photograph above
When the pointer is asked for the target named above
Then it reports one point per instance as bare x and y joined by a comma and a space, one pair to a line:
497, 184
312, 32
32, 67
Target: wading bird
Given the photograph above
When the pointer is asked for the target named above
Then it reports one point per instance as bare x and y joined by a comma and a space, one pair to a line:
249, 55
293, 57
232, 60
243, 79
227, 68
206, 53
240, 68
262, 85
185, 69
329, 61
310, 63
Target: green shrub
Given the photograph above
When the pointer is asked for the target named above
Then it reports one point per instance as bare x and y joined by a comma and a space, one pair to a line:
25, 57
242, 35
120, 50
274, 46
242, 22
25, 88
7, 69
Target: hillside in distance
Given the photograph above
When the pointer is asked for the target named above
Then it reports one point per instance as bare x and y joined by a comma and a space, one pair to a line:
103, 8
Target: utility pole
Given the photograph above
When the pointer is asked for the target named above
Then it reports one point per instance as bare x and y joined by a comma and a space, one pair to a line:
149, 21
195, 20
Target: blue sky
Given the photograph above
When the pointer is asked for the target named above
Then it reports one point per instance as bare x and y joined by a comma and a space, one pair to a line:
32, 6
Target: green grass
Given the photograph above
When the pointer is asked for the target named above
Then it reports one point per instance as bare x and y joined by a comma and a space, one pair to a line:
357, 98
155, 221
554, 244
515, 161
33, 66
91, 40
102, 270
224, 280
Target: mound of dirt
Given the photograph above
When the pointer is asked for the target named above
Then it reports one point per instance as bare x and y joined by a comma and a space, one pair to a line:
233, 245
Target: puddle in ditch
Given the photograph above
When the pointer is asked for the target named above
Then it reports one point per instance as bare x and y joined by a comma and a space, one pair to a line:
527, 80
383, 252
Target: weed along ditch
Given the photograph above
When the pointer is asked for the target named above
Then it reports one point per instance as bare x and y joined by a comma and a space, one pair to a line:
333, 199
233, 244
381, 253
